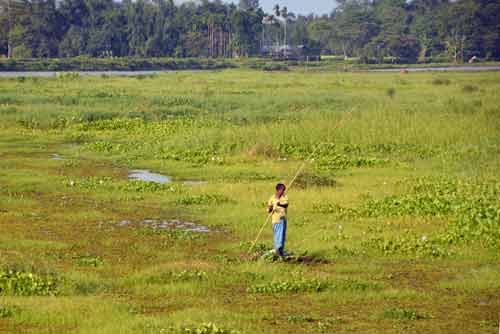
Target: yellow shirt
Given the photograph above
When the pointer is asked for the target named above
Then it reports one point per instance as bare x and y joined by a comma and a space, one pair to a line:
278, 211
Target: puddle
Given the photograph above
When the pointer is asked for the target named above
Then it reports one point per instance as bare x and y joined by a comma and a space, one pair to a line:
147, 176
56, 156
169, 224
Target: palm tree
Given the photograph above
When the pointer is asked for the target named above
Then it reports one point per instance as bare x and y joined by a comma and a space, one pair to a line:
284, 15
277, 10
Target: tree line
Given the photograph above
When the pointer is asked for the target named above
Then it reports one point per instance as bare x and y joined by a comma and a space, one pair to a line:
376, 30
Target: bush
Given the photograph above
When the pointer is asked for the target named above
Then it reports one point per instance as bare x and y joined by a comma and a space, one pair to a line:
470, 89
7, 311
26, 284
270, 67
441, 81
302, 285
84, 63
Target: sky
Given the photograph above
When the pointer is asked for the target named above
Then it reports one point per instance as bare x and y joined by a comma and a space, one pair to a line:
303, 7
300, 6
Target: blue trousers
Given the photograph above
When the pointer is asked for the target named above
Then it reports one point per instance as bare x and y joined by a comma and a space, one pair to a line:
279, 231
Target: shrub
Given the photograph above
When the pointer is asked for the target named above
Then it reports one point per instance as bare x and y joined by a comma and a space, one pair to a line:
470, 89
272, 67
26, 284
391, 92
295, 286
203, 199
206, 328
7, 311
88, 260
441, 81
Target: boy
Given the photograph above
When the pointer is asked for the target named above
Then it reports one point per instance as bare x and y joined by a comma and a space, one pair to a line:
277, 207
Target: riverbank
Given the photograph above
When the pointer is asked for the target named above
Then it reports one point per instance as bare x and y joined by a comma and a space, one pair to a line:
138, 66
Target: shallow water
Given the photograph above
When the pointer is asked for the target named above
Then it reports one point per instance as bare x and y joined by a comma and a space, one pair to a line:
56, 156
147, 176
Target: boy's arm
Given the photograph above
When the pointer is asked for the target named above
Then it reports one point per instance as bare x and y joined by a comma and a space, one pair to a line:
283, 202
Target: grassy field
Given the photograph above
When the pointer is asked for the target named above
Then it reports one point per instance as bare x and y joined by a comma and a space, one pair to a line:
395, 223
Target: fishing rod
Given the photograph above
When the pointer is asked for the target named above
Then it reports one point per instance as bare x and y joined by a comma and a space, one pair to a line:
299, 171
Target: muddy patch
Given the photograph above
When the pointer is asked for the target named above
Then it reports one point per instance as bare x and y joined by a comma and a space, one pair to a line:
168, 225
147, 176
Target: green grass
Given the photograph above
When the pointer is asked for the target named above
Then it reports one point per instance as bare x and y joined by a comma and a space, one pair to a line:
395, 218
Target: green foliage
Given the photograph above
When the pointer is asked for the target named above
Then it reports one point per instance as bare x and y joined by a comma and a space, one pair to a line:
295, 286
68, 75
308, 179
350, 284
271, 67
470, 88
115, 64
88, 260
180, 276
329, 156
302, 285
8, 311
473, 207
441, 81
203, 199
108, 183
171, 235
410, 245
205, 328
27, 284
401, 314
148, 187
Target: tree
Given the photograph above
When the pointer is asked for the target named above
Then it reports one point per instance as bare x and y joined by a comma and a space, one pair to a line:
74, 42
354, 25
248, 5
460, 29
246, 29
44, 33
12, 14
489, 17
137, 28
424, 26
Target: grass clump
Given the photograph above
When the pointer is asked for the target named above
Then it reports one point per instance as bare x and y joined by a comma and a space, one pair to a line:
306, 179
203, 199
391, 92
88, 260
205, 328
27, 284
470, 89
273, 67
148, 187
8, 311
401, 314
179, 276
441, 81
295, 286
410, 245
